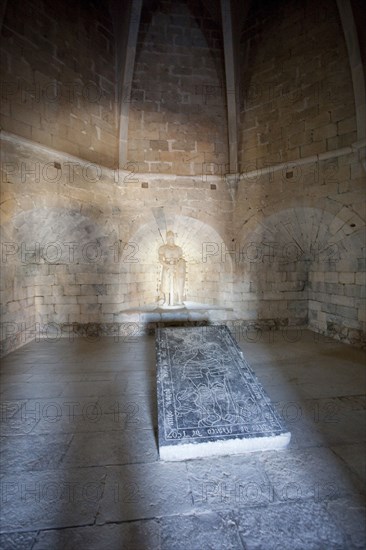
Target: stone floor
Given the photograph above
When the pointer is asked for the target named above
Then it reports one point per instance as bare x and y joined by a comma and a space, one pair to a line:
80, 468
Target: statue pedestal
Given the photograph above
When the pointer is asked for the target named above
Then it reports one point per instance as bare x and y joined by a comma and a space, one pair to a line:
209, 400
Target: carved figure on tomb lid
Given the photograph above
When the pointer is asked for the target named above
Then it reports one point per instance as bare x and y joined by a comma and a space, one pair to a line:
208, 393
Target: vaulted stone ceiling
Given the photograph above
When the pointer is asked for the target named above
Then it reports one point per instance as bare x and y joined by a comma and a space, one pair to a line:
230, 16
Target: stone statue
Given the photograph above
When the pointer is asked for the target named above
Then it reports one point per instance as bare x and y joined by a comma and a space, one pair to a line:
173, 273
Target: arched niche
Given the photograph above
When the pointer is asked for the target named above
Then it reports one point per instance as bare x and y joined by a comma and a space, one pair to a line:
209, 274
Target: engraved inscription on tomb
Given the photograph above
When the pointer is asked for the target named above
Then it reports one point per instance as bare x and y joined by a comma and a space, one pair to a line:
207, 390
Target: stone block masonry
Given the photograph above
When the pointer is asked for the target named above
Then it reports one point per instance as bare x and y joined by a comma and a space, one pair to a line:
280, 244
178, 93
313, 252
58, 78
298, 100
76, 249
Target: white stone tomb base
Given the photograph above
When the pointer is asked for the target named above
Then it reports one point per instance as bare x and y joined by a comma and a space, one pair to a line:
228, 447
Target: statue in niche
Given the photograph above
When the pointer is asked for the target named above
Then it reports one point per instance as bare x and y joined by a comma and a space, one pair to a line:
173, 273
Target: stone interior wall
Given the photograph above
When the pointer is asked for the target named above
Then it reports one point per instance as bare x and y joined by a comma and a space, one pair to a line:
301, 255
302, 174
58, 78
285, 246
80, 243
296, 95
177, 122
337, 279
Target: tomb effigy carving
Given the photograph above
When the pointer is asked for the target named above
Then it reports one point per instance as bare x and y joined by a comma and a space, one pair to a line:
209, 400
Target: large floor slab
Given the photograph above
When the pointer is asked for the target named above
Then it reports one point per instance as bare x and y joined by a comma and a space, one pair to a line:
209, 400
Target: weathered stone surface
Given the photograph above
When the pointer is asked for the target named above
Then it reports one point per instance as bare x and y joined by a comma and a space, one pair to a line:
15, 541
287, 526
132, 536
226, 482
124, 447
50, 500
138, 491
353, 454
314, 472
349, 514
209, 400
105, 490
34, 453
201, 530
